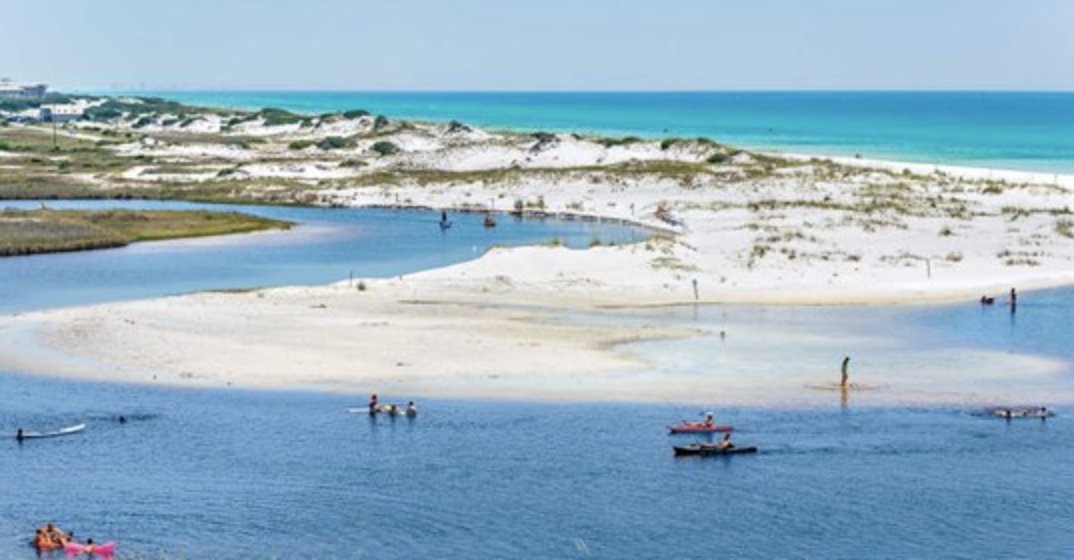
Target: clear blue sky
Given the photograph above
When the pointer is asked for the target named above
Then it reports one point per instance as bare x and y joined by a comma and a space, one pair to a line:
540, 44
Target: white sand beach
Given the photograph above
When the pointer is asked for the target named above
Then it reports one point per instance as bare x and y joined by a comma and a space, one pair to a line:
741, 227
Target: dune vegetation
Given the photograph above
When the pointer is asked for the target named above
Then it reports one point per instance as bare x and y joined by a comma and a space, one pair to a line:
26, 232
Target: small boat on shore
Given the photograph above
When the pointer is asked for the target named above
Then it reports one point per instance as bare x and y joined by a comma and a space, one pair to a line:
707, 449
1015, 412
699, 428
70, 430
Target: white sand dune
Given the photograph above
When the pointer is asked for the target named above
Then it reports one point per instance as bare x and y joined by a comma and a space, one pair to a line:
741, 227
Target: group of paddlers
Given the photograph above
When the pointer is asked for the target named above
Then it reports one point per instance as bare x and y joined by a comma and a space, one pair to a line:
989, 300
445, 223
391, 409
52, 537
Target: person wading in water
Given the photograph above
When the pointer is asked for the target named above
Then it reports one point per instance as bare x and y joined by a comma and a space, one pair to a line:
844, 380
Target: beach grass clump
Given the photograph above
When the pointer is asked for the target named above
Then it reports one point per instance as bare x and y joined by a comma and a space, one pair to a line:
1065, 228
719, 158
272, 116
668, 143
456, 127
26, 232
385, 148
334, 143
613, 142
1019, 258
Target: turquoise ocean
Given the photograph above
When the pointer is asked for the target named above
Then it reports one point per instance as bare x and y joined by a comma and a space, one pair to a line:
1032, 131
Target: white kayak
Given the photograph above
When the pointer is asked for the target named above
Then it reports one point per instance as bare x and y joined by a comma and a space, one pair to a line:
62, 432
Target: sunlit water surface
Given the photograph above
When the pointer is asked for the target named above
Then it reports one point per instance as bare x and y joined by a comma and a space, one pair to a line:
244, 474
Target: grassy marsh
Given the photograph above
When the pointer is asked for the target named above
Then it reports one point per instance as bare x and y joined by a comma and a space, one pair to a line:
27, 232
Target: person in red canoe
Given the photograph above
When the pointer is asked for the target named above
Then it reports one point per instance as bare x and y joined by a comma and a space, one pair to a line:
710, 420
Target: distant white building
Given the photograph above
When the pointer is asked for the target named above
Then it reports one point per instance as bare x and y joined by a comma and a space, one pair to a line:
61, 113
13, 90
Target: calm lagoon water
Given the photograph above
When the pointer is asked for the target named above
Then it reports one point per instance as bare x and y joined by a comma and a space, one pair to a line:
328, 245
1008, 130
246, 474
236, 474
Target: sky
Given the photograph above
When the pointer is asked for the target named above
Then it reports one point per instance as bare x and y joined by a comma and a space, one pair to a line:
539, 44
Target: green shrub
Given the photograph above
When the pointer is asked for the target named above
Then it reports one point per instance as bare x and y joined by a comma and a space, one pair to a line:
380, 122
300, 144
278, 117
334, 143
718, 158
355, 113
102, 113
385, 148
612, 142
455, 127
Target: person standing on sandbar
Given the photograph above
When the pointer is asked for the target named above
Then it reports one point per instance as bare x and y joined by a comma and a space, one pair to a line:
844, 380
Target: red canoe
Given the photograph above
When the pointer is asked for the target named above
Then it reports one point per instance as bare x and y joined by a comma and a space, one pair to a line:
698, 428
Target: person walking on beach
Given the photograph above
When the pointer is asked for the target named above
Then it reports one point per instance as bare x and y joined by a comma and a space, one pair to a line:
845, 378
